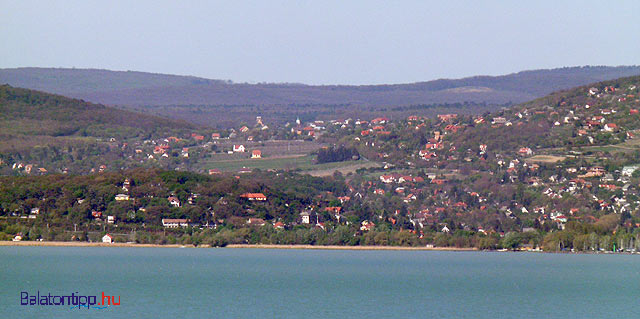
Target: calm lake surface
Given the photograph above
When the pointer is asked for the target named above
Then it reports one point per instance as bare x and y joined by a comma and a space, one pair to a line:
262, 283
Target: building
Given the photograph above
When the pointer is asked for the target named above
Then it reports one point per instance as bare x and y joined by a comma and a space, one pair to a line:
107, 239
256, 154
254, 196
174, 201
121, 197
238, 148
175, 223
111, 219
628, 170
305, 216
256, 222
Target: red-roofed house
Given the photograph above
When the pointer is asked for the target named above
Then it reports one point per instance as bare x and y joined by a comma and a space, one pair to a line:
254, 196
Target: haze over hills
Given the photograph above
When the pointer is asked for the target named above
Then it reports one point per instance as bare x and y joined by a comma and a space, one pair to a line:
208, 102
139, 88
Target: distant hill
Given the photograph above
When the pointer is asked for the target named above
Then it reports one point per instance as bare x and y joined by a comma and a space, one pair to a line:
139, 88
29, 112
43, 128
176, 96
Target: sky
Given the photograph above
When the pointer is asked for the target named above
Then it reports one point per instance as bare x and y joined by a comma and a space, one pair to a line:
319, 42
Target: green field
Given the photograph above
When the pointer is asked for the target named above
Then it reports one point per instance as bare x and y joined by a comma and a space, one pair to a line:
303, 163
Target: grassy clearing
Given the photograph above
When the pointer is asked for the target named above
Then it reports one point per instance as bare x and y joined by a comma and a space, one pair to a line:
545, 159
289, 162
345, 168
301, 162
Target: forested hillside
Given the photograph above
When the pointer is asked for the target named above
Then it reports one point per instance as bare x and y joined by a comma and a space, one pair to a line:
215, 102
42, 128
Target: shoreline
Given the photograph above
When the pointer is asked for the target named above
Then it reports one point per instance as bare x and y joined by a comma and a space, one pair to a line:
273, 246
89, 244
255, 246
335, 247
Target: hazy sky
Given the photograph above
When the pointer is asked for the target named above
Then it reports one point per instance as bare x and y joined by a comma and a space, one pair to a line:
320, 42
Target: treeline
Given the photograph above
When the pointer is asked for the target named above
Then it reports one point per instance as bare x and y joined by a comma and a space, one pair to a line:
337, 154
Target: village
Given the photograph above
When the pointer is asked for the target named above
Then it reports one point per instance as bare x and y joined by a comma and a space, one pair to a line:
536, 167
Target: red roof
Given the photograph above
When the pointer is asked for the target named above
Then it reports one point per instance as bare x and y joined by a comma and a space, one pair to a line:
253, 195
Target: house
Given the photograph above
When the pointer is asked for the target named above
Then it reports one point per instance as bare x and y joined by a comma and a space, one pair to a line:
126, 184
344, 199
447, 117
238, 148
525, 151
387, 179
214, 171
174, 201
107, 239
610, 127
111, 219
254, 196
380, 120
499, 120
17, 238
305, 217
445, 229
96, 214
215, 136
628, 170
35, 211
367, 225
122, 197
175, 222
256, 222
278, 225
256, 154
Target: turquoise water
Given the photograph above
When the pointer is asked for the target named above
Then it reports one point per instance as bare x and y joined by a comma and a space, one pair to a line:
255, 283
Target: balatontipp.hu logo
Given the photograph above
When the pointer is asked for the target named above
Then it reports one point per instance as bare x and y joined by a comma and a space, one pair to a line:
74, 300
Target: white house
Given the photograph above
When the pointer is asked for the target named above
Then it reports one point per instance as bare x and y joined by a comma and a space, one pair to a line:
238, 148
111, 219
305, 217
174, 201
175, 223
628, 170
107, 239
121, 197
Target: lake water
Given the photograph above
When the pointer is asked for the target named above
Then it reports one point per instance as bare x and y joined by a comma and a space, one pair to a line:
257, 283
